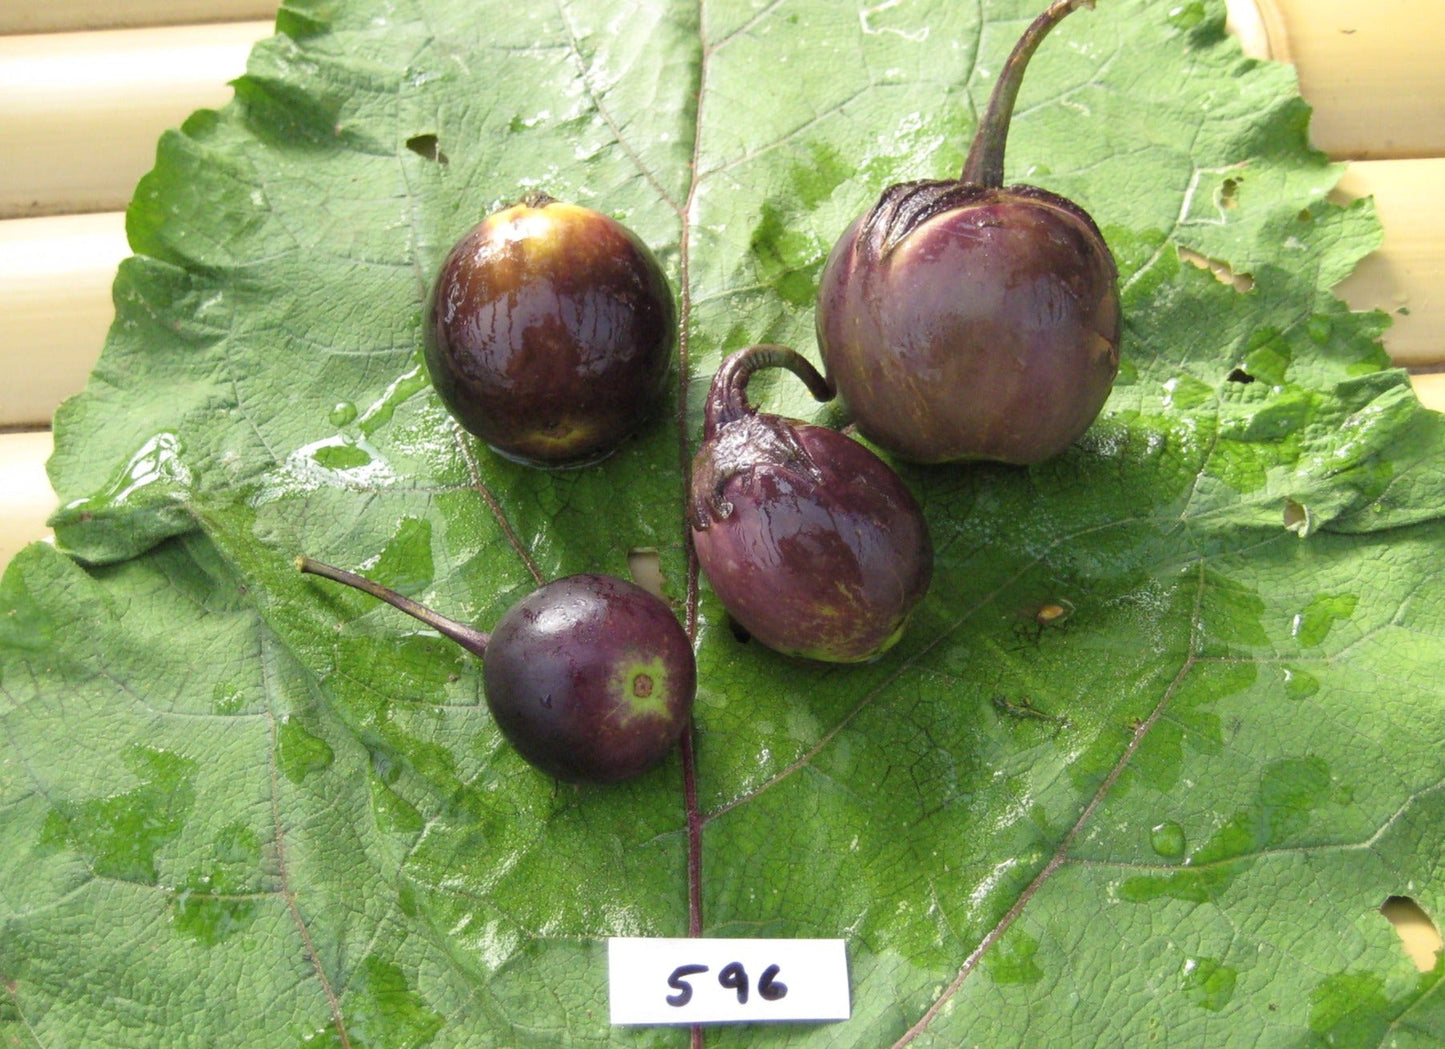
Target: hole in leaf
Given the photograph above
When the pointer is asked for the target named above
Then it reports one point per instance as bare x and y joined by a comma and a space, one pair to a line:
1228, 189
1296, 517
1418, 934
1239, 375
427, 146
1223, 272
644, 565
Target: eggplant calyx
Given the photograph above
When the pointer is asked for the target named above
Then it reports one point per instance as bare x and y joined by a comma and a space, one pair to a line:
739, 448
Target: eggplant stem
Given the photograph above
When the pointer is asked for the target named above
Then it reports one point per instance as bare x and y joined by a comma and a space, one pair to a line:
471, 639
984, 165
535, 198
727, 400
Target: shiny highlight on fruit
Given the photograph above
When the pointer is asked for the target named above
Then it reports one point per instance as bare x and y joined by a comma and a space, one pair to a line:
549, 332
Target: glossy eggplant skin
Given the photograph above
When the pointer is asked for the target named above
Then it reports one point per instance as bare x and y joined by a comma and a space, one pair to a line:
812, 543
591, 678
549, 332
964, 322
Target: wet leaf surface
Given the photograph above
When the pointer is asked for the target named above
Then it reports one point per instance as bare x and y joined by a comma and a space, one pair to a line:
237, 808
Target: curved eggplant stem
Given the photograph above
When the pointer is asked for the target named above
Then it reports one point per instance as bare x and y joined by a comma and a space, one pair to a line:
984, 165
727, 400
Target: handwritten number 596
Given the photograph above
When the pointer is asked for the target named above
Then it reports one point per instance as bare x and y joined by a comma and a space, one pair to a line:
732, 976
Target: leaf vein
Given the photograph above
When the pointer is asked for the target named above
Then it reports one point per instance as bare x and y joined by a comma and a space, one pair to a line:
282, 866
495, 506
1061, 852
594, 93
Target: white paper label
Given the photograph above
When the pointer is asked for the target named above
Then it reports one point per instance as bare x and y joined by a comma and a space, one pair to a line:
708, 981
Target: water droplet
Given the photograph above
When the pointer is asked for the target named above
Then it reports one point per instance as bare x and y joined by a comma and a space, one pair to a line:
1350, 1008
393, 812
407, 385
342, 413
299, 753
1187, 16
406, 563
1168, 839
334, 461
341, 457
1314, 623
1298, 684
1185, 392
227, 698
156, 473
1013, 960
215, 901
120, 835
1207, 983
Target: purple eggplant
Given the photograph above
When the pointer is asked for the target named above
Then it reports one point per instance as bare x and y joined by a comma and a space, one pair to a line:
811, 542
962, 319
549, 332
590, 677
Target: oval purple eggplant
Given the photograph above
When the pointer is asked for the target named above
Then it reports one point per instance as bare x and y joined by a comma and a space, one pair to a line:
811, 542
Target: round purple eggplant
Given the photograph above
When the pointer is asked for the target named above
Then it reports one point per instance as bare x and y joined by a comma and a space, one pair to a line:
963, 320
590, 677
810, 541
549, 332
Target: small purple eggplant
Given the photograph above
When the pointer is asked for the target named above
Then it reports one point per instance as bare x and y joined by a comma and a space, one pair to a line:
590, 677
550, 332
811, 542
963, 320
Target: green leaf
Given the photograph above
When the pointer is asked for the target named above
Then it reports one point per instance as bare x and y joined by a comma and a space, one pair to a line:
238, 807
